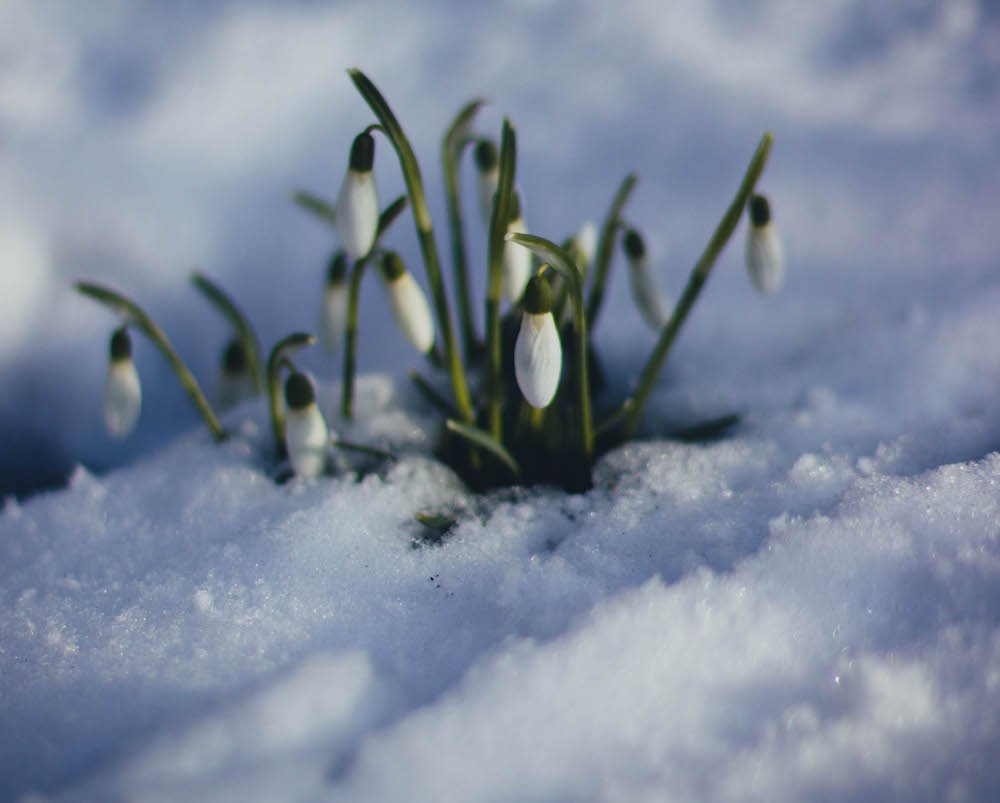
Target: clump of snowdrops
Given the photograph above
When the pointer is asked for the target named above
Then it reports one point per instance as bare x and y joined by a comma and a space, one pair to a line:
521, 401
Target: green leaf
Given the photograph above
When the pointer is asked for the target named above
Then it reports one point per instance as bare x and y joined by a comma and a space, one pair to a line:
318, 206
484, 440
558, 258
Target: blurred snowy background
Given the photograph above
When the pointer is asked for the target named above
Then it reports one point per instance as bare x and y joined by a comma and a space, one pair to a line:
809, 609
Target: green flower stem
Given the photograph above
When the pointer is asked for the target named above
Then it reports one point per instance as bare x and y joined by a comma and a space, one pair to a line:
498, 230
605, 248
278, 358
559, 260
142, 321
241, 326
479, 438
386, 219
351, 339
452, 145
695, 283
425, 234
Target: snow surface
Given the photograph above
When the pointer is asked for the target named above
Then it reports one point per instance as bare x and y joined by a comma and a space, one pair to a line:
808, 609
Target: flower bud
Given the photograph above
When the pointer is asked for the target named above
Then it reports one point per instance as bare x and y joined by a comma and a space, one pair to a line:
408, 303
234, 383
538, 352
356, 213
306, 433
653, 305
488, 166
122, 397
764, 252
333, 311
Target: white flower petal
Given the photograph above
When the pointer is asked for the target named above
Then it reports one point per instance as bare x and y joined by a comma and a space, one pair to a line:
411, 312
654, 306
307, 439
356, 214
538, 359
765, 258
333, 315
122, 398
516, 265
586, 241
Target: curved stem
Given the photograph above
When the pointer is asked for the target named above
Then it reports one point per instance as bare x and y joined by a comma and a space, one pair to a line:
452, 145
694, 285
425, 234
605, 248
241, 326
138, 318
279, 357
351, 340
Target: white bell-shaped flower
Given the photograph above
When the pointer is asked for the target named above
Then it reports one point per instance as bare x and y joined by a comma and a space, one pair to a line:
356, 213
653, 304
585, 242
764, 252
333, 309
122, 397
516, 258
307, 437
234, 383
538, 352
409, 305
488, 166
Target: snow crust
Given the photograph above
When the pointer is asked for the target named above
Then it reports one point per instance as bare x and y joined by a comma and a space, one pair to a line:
807, 609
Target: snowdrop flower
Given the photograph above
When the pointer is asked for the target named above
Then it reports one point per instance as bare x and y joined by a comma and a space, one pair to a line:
408, 303
537, 352
516, 259
333, 313
489, 177
122, 391
234, 383
306, 433
652, 303
765, 256
356, 213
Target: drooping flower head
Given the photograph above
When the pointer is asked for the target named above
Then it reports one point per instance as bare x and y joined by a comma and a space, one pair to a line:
653, 305
408, 303
488, 166
306, 434
234, 383
764, 252
538, 352
356, 213
122, 397
333, 311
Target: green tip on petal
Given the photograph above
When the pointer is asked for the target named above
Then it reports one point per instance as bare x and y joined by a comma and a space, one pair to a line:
299, 392
392, 266
760, 211
362, 153
121, 345
538, 296
486, 156
234, 358
336, 272
635, 247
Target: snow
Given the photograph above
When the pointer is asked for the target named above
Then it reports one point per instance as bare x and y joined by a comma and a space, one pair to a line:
806, 609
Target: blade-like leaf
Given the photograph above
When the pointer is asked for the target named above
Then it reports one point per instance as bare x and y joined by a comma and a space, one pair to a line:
482, 439
244, 331
318, 206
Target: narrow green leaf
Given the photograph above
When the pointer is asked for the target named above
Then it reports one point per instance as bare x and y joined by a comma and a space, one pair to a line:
482, 439
558, 258
605, 248
430, 393
318, 206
